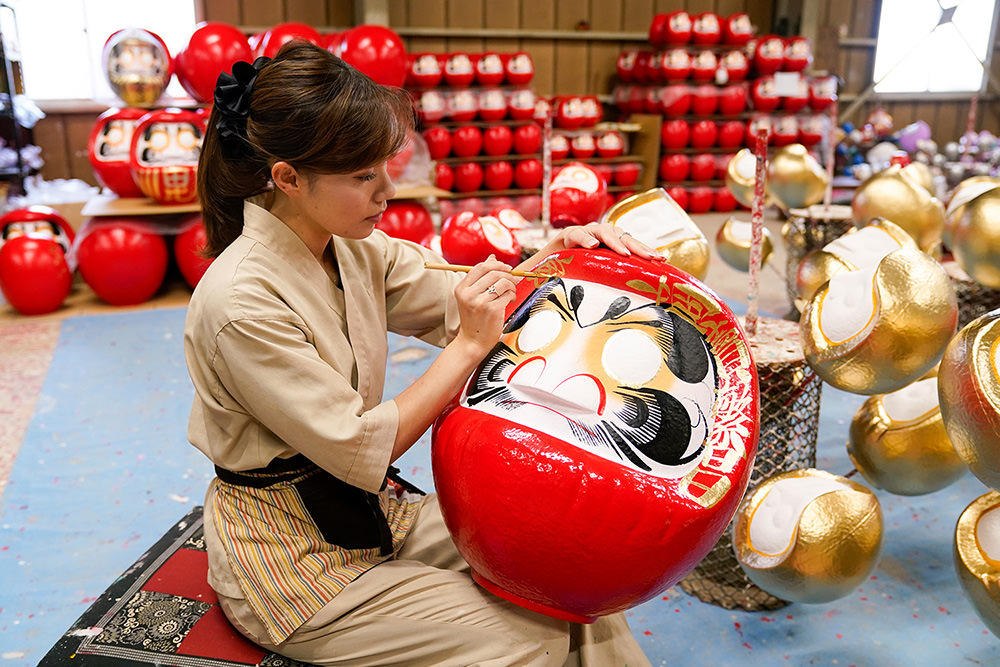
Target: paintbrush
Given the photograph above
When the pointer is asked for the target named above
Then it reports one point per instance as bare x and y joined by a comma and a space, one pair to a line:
465, 269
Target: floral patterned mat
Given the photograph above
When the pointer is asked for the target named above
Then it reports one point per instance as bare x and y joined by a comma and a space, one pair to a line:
161, 611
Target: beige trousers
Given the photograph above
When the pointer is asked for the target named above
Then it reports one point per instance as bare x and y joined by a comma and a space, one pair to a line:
423, 608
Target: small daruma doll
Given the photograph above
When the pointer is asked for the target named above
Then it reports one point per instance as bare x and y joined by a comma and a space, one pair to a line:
110, 148
579, 194
164, 155
138, 66
601, 448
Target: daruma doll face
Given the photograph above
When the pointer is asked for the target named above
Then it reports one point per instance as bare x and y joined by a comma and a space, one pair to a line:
600, 449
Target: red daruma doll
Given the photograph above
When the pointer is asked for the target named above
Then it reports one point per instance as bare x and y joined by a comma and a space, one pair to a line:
578, 195
164, 155
600, 450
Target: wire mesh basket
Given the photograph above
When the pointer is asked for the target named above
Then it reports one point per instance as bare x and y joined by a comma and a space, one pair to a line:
789, 420
974, 299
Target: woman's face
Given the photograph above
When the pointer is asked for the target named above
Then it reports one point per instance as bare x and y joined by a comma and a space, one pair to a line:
348, 205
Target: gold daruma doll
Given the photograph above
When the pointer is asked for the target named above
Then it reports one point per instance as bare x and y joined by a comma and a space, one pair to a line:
977, 557
898, 441
969, 390
808, 535
654, 218
876, 329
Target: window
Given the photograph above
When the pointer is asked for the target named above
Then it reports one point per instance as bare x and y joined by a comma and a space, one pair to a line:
933, 46
61, 41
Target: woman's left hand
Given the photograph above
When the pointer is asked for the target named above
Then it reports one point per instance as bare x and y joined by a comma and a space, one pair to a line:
602, 233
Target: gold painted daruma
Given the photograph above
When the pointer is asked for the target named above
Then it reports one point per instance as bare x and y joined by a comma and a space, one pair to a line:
977, 557
733, 242
969, 391
898, 442
795, 179
654, 218
855, 250
895, 195
741, 175
874, 331
808, 535
975, 238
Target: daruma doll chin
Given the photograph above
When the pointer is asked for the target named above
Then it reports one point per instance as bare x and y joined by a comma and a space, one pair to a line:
599, 451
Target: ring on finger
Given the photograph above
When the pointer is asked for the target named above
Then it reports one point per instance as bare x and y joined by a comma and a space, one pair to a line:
623, 235
492, 289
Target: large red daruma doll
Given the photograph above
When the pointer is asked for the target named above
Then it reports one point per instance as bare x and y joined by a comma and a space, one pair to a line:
600, 450
163, 158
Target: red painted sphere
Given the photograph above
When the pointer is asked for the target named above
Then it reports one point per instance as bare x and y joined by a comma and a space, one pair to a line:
409, 220
527, 139
675, 133
438, 140
375, 50
702, 167
700, 199
626, 173
466, 141
444, 176
123, 263
211, 50
274, 38
188, 246
34, 276
675, 99
646, 517
498, 175
578, 195
733, 99
704, 133
705, 100
468, 177
680, 195
498, 140
674, 167
528, 174
467, 238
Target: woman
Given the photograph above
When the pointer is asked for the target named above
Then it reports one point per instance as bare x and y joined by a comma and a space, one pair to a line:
312, 553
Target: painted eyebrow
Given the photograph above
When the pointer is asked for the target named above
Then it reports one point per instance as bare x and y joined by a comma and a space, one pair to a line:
554, 298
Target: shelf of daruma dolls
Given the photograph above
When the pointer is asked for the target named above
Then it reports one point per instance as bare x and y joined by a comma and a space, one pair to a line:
112, 205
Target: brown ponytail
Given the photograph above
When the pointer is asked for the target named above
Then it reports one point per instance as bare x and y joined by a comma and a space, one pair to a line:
307, 108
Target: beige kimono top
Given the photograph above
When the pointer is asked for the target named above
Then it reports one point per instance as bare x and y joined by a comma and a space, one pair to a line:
285, 362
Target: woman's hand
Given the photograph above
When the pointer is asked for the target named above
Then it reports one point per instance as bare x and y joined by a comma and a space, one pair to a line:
601, 233
483, 295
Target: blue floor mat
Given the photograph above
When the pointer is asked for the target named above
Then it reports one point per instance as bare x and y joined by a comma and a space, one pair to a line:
105, 470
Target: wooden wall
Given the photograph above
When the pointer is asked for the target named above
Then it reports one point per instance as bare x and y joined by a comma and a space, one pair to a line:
844, 44
574, 44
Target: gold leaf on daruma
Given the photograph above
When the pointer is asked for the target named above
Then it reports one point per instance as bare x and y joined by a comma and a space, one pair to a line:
969, 390
874, 331
808, 535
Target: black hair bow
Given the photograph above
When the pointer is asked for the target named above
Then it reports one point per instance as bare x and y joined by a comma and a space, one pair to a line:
232, 99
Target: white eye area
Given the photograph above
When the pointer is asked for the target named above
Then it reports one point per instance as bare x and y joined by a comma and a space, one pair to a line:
159, 140
631, 357
114, 136
186, 138
540, 330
